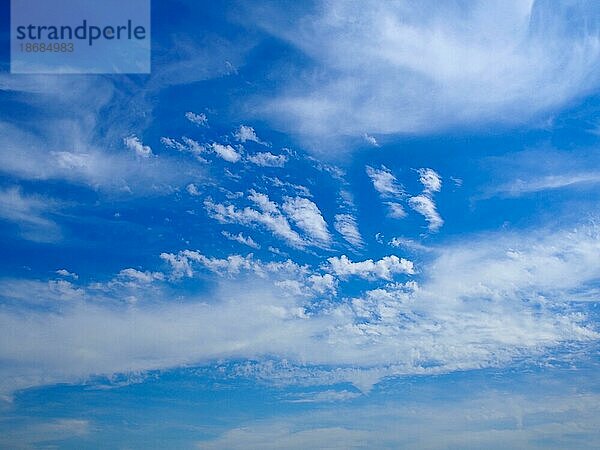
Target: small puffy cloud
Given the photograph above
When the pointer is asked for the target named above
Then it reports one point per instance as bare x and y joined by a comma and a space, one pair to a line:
384, 182
180, 264
430, 179
385, 268
371, 140
345, 224
245, 240
306, 215
245, 133
138, 276
198, 119
425, 206
268, 159
396, 211
133, 143
66, 273
226, 152
192, 189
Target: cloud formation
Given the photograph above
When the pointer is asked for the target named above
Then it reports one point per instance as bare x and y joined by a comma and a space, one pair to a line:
384, 269
30, 213
385, 182
427, 68
226, 152
268, 215
518, 286
306, 215
245, 133
198, 119
268, 159
346, 225
134, 143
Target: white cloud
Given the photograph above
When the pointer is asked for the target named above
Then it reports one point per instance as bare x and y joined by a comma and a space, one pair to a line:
267, 159
135, 275
192, 189
134, 143
30, 213
40, 432
85, 164
292, 278
245, 133
371, 140
384, 182
269, 216
189, 146
180, 264
408, 244
172, 143
246, 240
396, 210
322, 284
226, 152
385, 268
345, 224
430, 180
198, 119
549, 182
481, 303
277, 436
425, 206
540, 413
306, 215
428, 68
66, 273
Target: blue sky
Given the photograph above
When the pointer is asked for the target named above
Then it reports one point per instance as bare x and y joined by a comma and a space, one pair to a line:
315, 225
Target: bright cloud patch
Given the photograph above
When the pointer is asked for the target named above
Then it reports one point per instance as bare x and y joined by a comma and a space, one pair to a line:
426, 207
226, 152
267, 159
198, 119
268, 216
306, 215
384, 182
385, 268
430, 180
245, 133
510, 61
134, 143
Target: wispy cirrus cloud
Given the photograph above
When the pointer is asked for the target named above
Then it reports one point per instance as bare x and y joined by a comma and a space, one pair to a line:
510, 61
31, 213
